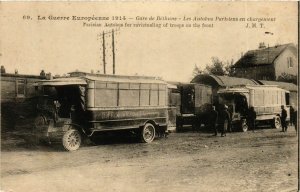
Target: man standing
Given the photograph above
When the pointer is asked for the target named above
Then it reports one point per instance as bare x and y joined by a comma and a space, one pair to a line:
251, 118
224, 120
283, 119
214, 120
295, 118
292, 111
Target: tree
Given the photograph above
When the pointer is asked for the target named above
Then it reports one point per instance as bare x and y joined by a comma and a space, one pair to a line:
217, 67
229, 70
197, 71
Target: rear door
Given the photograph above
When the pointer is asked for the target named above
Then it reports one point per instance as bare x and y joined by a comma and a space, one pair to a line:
187, 99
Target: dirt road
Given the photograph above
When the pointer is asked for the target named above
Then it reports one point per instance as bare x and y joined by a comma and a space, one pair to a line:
262, 161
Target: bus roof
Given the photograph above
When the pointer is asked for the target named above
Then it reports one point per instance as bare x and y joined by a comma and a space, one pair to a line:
62, 81
124, 79
247, 88
104, 78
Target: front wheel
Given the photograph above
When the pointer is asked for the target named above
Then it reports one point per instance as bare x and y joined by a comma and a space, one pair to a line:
148, 133
71, 140
179, 124
277, 122
244, 125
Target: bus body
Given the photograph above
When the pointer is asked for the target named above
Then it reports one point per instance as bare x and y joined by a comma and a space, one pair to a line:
196, 102
73, 107
265, 99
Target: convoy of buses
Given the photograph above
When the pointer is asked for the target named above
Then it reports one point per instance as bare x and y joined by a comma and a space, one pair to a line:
69, 109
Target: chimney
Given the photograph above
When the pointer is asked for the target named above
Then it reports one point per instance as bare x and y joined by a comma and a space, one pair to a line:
49, 76
262, 45
42, 73
2, 69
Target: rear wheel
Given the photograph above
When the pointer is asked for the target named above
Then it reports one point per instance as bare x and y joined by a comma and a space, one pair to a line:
277, 122
39, 129
148, 133
178, 124
71, 140
244, 125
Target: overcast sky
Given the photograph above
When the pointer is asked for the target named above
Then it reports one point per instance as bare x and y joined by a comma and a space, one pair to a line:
63, 46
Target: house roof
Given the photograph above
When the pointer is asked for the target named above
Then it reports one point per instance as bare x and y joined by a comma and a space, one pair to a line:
283, 85
222, 81
263, 56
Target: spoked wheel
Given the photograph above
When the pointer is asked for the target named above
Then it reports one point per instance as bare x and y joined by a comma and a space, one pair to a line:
178, 124
244, 125
277, 122
148, 133
39, 128
71, 140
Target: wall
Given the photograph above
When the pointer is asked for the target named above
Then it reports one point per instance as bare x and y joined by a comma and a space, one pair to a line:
11, 103
281, 64
9, 86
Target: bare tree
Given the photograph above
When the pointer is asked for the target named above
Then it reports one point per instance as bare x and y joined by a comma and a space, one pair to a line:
197, 71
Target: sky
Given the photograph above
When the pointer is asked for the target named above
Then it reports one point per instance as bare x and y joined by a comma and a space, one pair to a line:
59, 47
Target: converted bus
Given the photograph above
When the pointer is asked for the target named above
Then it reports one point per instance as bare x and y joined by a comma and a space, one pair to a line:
195, 105
266, 100
75, 107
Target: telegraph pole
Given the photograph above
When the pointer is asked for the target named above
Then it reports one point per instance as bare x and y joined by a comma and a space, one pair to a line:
113, 52
104, 50
103, 47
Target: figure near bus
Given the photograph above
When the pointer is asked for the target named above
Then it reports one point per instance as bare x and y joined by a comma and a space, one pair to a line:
283, 119
224, 120
214, 120
251, 117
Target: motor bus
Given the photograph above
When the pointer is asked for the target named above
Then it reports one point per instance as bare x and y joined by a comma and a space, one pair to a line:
72, 108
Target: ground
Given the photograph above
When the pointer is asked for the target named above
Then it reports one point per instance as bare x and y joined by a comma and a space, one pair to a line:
264, 160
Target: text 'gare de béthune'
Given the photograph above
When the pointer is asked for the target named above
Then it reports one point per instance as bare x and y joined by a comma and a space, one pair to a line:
161, 18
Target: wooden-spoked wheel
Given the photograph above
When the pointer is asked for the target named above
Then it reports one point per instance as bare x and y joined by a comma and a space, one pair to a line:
38, 128
277, 122
244, 125
71, 140
148, 133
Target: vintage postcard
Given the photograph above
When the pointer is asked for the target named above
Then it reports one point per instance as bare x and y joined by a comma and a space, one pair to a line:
149, 96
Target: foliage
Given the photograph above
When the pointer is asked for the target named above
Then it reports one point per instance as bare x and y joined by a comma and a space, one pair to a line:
217, 67
197, 71
284, 77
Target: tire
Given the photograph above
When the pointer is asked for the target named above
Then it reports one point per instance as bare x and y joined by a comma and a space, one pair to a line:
39, 128
276, 122
71, 140
178, 124
148, 133
244, 126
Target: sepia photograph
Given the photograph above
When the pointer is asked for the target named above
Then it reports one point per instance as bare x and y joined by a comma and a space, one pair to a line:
130, 96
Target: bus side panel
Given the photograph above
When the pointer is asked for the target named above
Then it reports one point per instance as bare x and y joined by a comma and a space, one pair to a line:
126, 118
267, 103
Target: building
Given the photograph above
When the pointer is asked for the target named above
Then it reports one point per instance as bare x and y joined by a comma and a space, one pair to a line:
268, 63
15, 90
